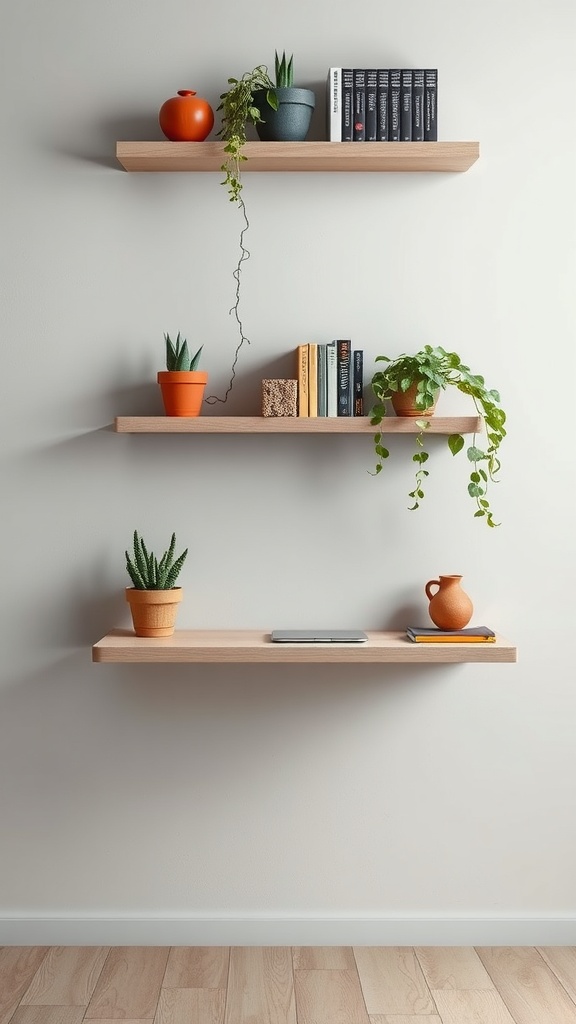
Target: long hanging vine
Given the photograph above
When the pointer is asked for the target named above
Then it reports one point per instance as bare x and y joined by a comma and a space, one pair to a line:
238, 109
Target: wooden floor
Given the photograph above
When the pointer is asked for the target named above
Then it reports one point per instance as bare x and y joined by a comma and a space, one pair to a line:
283, 985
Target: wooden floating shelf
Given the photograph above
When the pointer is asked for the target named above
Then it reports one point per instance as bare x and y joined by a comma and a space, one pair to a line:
253, 646
292, 425
301, 156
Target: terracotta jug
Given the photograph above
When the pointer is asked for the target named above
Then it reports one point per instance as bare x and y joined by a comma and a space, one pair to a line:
186, 117
450, 607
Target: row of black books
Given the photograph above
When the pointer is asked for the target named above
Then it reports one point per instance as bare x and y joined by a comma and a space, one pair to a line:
330, 379
382, 105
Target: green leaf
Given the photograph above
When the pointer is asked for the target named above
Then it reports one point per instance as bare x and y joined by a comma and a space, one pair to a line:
455, 443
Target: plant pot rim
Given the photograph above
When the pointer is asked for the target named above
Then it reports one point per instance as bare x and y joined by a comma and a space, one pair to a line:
171, 596
291, 94
182, 377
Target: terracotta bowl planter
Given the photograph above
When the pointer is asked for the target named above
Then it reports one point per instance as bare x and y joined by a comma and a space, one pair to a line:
182, 391
404, 403
154, 611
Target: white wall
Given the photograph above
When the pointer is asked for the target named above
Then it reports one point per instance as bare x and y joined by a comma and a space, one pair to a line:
363, 797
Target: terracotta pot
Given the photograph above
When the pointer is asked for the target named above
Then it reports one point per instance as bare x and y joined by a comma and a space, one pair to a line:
186, 117
182, 391
450, 607
154, 611
404, 403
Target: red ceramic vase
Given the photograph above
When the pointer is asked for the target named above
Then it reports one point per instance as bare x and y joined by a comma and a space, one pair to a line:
186, 117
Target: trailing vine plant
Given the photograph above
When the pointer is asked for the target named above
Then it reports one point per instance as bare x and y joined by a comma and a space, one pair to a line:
238, 109
430, 370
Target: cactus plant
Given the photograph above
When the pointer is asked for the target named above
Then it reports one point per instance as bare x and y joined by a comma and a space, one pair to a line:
147, 573
178, 356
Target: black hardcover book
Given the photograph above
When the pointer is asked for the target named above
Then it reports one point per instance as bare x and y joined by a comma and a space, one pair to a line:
406, 105
431, 105
343, 363
394, 122
358, 382
382, 104
359, 112
371, 105
347, 103
418, 105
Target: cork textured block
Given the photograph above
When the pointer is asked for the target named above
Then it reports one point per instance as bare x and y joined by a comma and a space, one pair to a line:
279, 397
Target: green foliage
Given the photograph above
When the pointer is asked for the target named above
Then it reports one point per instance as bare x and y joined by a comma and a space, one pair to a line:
284, 71
432, 369
178, 356
238, 110
147, 573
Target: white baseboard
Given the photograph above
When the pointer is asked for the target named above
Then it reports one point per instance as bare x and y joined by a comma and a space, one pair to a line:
286, 931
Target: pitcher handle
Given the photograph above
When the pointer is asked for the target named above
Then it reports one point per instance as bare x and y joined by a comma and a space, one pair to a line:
431, 583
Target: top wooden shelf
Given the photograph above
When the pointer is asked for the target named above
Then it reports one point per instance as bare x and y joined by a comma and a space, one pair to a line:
301, 156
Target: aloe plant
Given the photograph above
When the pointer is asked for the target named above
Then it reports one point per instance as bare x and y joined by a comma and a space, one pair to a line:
178, 356
284, 71
147, 573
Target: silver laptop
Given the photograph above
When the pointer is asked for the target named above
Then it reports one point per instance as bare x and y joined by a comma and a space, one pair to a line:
318, 636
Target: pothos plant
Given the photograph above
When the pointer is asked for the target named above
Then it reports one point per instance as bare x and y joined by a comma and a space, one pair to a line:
429, 371
238, 109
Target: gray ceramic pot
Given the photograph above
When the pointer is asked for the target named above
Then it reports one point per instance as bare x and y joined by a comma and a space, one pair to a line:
290, 123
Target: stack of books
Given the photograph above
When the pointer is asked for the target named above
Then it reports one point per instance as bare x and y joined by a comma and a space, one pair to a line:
382, 105
471, 635
330, 379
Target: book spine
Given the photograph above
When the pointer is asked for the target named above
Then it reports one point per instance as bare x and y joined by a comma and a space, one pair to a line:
334, 105
343, 349
358, 382
312, 379
431, 105
406, 105
347, 103
418, 105
382, 104
302, 376
394, 122
331, 379
322, 380
359, 112
371, 105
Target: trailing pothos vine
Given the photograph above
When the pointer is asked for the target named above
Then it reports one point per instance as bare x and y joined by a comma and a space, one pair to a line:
238, 110
430, 370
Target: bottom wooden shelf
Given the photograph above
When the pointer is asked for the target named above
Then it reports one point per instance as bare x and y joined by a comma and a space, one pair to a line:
247, 645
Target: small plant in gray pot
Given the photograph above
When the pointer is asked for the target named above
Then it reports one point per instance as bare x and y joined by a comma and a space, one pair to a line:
290, 120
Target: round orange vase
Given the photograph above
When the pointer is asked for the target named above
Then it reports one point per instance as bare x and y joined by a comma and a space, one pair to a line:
450, 607
182, 391
404, 403
186, 117
154, 611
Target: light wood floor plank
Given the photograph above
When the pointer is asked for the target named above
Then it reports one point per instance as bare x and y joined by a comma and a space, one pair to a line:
392, 980
456, 967
67, 976
48, 1015
191, 1006
529, 988
130, 982
260, 986
323, 958
484, 1006
18, 965
329, 997
197, 967
403, 1018
562, 960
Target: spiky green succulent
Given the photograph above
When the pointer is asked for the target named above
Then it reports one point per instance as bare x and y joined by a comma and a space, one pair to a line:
284, 71
178, 356
147, 573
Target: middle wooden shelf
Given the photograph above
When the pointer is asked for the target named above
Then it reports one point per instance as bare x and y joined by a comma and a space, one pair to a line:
293, 425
